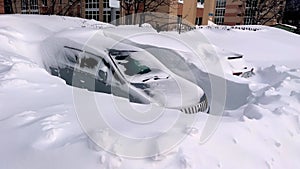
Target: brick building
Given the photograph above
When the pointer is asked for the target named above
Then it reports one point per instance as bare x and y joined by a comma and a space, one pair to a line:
224, 12
90, 9
242, 12
193, 12
2, 7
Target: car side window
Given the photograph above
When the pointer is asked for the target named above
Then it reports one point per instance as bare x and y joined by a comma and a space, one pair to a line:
71, 56
93, 64
100, 67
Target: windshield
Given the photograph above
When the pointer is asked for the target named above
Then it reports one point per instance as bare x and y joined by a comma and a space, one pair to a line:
132, 66
134, 63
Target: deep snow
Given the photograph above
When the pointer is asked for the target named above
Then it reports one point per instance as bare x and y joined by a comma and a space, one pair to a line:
260, 128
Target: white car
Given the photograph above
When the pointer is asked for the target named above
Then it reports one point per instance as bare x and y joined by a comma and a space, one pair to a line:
103, 65
239, 68
234, 63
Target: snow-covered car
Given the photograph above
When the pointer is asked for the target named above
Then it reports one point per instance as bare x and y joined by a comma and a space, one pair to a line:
104, 65
234, 63
238, 66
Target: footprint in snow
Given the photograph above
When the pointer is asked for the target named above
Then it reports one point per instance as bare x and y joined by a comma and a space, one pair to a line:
52, 128
184, 160
27, 115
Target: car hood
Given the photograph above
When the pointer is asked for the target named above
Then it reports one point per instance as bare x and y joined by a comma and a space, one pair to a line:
168, 91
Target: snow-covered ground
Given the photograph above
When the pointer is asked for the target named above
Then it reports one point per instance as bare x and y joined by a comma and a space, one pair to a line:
260, 127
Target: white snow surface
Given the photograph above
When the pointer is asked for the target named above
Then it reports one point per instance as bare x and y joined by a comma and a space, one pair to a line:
39, 127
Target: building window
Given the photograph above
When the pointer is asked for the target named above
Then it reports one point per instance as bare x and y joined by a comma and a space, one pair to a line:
106, 16
220, 12
198, 21
117, 14
24, 6
29, 7
118, 17
219, 20
44, 2
221, 4
92, 9
92, 15
105, 3
250, 12
34, 8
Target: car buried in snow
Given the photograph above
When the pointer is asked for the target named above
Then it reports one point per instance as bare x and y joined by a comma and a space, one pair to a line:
104, 65
235, 64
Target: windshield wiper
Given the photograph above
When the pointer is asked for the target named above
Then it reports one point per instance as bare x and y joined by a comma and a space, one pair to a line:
155, 78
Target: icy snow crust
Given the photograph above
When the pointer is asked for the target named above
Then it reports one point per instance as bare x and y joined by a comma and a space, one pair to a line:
260, 128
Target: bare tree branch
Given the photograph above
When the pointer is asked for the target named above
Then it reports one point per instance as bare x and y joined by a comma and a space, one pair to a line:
264, 10
142, 6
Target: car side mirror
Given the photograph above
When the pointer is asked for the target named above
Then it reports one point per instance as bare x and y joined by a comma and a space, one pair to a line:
102, 75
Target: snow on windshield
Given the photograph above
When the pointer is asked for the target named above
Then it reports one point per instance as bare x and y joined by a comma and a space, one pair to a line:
133, 63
